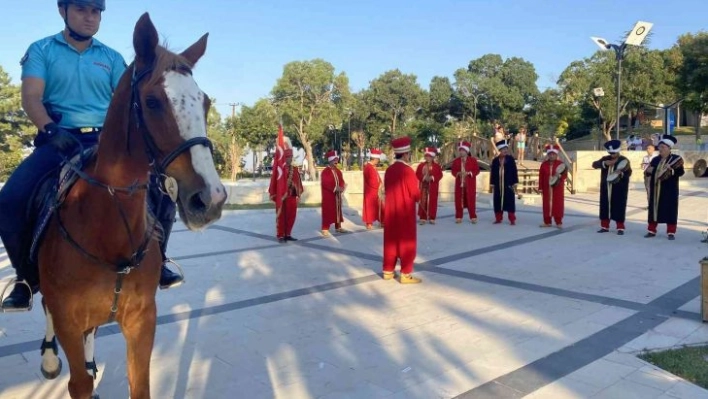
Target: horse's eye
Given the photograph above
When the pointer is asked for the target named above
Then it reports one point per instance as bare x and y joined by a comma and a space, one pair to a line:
152, 102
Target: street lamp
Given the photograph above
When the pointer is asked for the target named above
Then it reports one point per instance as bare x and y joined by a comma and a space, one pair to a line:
635, 38
599, 92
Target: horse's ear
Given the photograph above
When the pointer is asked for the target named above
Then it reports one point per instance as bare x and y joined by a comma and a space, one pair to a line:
145, 40
196, 51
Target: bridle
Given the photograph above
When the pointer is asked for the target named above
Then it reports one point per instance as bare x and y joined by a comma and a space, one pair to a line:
158, 167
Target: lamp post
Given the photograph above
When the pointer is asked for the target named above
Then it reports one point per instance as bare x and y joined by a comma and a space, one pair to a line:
635, 38
599, 92
349, 136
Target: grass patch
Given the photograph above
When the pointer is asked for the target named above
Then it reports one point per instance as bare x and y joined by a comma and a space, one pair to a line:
239, 207
688, 363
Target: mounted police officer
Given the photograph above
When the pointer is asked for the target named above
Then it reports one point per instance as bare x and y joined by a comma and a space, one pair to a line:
67, 84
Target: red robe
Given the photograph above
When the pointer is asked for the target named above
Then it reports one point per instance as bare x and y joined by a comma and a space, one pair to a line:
285, 219
553, 197
373, 208
465, 197
400, 238
331, 179
428, 206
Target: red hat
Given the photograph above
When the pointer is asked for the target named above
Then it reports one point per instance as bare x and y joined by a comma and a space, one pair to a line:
552, 148
375, 153
465, 145
331, 155
432, 151
401, 145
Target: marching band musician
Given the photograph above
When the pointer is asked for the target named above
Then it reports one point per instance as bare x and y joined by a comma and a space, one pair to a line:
613, 194
465, 169
288, 213
553, 195
665, 171
373, 206
333, 185
400, 235
429, 174
504, 178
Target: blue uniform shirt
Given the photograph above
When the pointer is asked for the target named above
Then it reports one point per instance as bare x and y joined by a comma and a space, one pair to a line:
79, 86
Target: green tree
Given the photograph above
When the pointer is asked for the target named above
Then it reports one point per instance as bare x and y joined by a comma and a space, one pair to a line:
501, 89
309, 97
394, 98
692, 80
16, 130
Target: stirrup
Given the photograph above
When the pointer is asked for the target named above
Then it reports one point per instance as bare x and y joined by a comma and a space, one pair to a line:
12, 283
179, 271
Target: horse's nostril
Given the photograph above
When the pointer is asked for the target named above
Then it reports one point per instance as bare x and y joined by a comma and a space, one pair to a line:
196, 204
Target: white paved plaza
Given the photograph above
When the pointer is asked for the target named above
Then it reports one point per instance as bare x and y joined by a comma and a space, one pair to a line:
504, 312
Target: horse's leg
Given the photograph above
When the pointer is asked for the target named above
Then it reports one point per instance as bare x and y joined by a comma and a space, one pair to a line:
139, 331
51, 363
91, 369
71, 339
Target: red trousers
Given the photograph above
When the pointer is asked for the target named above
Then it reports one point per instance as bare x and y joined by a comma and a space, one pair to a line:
395, 249
286, 220
499, 216
462, 202
605, 224
670, 228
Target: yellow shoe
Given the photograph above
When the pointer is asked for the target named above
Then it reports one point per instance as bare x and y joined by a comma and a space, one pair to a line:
410, 279
388, 275
369, 226
325, 233
422, 222
431, 221
458, 221
545, 225
473, 221
560, 226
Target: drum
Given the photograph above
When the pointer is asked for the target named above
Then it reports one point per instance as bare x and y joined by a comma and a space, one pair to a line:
556, 177
700, 168
614, 177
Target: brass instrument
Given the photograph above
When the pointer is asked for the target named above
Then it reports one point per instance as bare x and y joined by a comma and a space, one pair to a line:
424, 188
665, 167
462, 173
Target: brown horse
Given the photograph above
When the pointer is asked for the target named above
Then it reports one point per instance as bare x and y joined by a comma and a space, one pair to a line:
100, 259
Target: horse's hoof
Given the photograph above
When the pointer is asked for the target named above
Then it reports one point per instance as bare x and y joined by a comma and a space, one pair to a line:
51, 375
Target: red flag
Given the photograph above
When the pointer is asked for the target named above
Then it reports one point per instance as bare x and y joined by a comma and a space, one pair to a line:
279, 167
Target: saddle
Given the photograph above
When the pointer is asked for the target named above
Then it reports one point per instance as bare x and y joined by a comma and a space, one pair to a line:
50, 194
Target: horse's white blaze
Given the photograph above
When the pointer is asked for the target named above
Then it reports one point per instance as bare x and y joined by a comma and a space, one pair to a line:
89, 342
187, 102
50, 361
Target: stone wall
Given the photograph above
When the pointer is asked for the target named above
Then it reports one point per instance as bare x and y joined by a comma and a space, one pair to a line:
249, 192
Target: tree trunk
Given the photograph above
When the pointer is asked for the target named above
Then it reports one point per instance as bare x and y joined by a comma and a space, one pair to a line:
699, 117
312, 167
235, 153
607, 130
393, 124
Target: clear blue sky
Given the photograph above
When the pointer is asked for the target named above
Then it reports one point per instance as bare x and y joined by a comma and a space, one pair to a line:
251, 40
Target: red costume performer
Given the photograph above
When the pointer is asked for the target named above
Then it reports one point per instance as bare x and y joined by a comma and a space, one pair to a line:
333, 185
429, 174
373, 200
465, 169
402, 194
553, 195
288, 212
